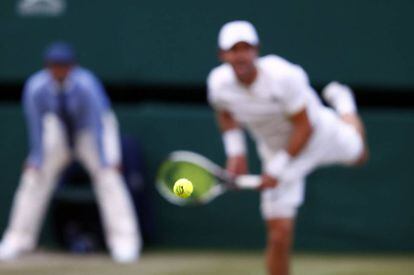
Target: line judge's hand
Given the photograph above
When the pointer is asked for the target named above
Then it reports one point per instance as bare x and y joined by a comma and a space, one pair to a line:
29, 166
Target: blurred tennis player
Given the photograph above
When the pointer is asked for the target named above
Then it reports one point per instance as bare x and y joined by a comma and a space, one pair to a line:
69, 116
272, 99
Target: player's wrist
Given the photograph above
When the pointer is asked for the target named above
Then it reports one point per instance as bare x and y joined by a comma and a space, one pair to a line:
234, 143
276, 166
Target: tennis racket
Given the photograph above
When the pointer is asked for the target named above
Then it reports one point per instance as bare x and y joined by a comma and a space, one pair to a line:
209, 179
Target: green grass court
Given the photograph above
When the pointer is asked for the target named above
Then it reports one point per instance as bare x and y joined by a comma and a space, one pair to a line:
207, 263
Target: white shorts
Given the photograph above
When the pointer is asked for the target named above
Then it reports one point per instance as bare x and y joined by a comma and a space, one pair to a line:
333, 142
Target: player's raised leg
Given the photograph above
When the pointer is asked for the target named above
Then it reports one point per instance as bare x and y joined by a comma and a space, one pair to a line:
341, 98
121, 225
33, 194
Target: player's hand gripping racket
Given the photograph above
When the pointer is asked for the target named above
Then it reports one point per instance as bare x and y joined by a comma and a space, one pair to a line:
209, 179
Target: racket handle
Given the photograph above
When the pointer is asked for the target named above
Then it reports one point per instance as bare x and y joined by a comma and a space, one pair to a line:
248, 181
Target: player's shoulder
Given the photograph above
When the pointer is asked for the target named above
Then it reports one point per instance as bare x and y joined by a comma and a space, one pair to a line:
280, 68
220, 76
37, 80
274, 61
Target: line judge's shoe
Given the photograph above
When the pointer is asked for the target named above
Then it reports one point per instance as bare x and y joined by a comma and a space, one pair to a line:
10, 250
125, 250
126, 255
340, 97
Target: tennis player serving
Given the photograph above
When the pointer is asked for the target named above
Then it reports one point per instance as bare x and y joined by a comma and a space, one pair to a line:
272, 99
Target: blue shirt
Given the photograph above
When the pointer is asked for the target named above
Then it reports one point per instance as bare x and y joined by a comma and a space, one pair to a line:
82, 107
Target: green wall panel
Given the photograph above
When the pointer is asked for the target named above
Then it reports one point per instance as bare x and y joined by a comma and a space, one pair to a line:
174, 42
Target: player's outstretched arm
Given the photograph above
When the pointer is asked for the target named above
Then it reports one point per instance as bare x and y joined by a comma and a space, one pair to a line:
234, 143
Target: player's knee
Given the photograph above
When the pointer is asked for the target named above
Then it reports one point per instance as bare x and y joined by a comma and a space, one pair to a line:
363, 158
280, 236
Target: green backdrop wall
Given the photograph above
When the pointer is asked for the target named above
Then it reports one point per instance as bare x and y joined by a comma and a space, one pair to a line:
174, 42
369, 208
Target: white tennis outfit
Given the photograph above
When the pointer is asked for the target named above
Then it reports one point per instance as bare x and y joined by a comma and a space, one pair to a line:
280, 90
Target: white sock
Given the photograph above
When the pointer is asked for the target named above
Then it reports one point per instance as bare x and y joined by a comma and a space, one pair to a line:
340, 97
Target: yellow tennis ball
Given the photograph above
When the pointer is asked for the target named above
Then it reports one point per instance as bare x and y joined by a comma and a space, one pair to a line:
183, 188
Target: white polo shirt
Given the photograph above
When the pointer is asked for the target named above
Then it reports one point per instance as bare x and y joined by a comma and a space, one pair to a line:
280, 90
